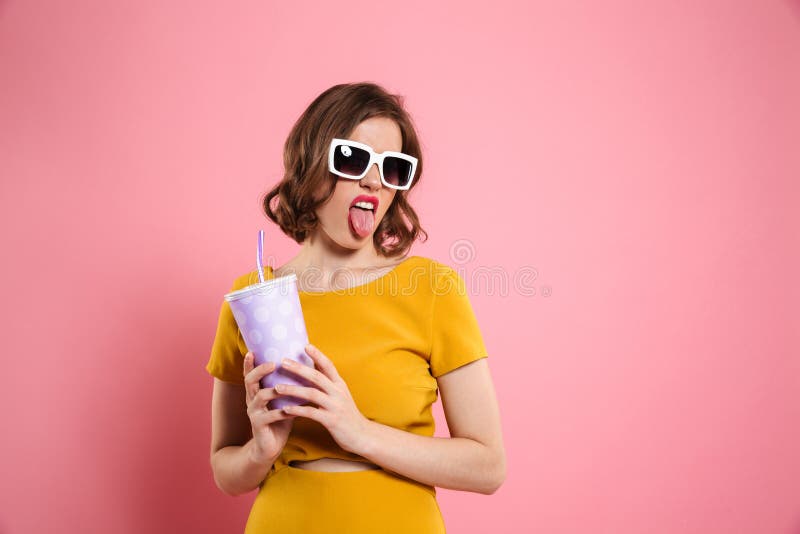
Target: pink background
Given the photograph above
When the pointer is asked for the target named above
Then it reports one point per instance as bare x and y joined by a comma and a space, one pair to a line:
642, 159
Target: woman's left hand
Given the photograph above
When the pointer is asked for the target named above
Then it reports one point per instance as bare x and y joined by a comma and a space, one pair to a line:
336, 410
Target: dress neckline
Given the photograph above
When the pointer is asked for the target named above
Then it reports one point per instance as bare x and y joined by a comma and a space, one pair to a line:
348, 290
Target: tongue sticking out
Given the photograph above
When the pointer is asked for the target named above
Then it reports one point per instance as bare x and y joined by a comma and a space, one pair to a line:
361, 221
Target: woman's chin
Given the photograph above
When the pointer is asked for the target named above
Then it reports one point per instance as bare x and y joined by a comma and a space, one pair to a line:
356, 241
348, 239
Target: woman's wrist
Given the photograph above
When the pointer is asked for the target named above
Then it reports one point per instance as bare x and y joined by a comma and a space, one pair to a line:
367, 437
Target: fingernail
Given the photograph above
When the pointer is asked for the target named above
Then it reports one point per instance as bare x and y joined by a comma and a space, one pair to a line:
287, 362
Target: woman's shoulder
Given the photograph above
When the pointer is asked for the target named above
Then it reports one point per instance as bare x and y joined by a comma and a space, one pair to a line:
431, 263
438, 273
251, 278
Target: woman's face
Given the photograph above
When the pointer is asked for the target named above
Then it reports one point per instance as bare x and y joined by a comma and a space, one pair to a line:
351, 227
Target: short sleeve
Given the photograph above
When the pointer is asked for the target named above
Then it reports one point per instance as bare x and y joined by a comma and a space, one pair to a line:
456, 336
227, 360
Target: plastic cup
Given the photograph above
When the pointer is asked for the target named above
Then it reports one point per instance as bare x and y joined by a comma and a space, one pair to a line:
271, 321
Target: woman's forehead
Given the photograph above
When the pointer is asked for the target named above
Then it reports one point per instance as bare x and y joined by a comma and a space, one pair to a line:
381, 133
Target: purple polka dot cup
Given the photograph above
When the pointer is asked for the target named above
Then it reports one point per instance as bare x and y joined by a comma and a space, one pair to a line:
271, 322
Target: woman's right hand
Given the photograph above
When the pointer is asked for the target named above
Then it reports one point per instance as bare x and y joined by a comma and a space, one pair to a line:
270, 427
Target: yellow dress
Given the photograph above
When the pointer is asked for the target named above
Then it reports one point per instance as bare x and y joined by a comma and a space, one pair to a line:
389, 340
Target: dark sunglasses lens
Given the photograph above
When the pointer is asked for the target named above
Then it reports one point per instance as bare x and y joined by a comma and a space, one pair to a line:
350, 160
397, 171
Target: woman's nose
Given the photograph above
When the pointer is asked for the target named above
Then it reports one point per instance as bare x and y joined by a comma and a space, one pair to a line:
373, 177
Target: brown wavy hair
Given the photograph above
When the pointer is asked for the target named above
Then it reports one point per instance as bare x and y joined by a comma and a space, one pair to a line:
292, 204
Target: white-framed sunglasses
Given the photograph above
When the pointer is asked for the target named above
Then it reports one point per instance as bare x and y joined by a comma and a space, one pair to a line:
350, 159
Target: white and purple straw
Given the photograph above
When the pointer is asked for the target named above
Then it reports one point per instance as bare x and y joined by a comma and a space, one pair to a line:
259, 255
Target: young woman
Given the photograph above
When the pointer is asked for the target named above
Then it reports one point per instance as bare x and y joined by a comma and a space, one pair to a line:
388, 333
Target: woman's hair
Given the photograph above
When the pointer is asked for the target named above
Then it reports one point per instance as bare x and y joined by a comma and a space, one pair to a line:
336, 113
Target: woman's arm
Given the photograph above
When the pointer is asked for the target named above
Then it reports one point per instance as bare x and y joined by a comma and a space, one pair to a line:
235, 471
472, 459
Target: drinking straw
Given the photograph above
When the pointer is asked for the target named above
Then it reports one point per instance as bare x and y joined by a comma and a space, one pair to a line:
258, 256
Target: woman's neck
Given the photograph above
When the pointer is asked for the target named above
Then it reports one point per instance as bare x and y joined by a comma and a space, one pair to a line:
326, 256
321, 267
